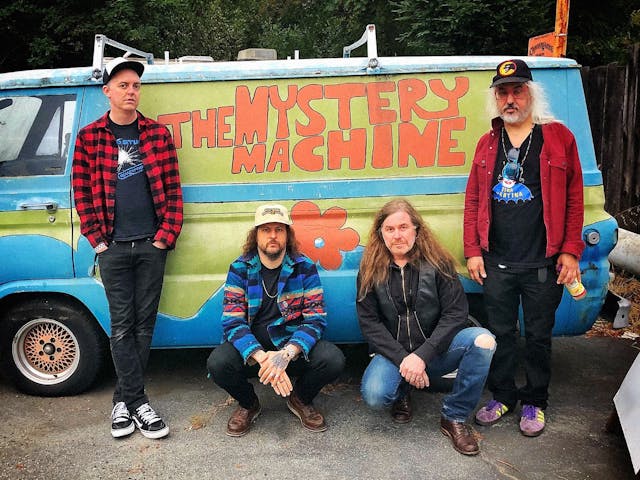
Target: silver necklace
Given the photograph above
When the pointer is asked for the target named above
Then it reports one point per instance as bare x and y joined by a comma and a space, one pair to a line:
521, 164
267, 291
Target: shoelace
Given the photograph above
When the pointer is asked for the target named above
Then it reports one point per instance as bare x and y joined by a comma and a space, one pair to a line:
147, 414
493, 404
120, 412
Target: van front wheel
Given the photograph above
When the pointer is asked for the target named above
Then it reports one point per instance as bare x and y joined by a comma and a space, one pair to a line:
51, 348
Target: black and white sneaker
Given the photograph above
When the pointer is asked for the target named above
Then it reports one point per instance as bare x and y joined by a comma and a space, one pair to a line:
121, 423
149, 423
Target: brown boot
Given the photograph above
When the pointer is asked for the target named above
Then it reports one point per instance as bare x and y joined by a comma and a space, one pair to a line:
401, 411
311, 418
241, 420
461, 436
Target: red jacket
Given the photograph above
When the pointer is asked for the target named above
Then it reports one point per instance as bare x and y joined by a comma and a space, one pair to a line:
95, 163
562, 192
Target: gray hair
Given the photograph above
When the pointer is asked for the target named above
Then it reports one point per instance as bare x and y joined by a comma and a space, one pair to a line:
540, 110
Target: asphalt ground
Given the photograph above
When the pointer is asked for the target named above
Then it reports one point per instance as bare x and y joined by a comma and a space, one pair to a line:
69, 438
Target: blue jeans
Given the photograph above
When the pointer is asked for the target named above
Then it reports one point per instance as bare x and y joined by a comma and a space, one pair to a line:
382, 383
132, 274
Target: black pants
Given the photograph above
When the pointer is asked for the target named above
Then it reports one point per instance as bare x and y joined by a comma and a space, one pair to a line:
132, 274
540, 295
226, 366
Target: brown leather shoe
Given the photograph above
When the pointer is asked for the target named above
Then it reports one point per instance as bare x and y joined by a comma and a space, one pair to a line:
401, 411
461, 436
241, 420
311, 418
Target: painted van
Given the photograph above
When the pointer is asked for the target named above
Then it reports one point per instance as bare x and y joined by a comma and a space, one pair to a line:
332, 139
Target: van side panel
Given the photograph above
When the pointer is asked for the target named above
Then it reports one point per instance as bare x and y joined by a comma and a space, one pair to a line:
333, 144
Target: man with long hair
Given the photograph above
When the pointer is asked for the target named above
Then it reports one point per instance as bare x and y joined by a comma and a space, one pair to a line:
412, 311
523, 221
273, 319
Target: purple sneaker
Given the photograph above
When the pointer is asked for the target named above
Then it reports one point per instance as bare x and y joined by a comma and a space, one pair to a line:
532, 421
491, 413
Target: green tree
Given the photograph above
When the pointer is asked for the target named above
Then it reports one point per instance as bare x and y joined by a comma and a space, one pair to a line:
470, 27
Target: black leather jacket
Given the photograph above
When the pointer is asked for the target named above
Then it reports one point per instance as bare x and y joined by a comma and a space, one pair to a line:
435, 311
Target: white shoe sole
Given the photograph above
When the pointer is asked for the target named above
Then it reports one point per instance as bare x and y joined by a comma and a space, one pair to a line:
156, 433
123, 432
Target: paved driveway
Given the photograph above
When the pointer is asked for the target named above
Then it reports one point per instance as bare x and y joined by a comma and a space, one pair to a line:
68, 438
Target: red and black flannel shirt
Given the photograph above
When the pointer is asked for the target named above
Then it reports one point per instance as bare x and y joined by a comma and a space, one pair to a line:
95, 163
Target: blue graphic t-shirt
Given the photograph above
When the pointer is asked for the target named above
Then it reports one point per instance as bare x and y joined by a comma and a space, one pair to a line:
135, 216
518, 236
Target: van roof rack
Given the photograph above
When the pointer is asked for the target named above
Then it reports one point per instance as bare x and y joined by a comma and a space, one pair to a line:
368, 37
98, 54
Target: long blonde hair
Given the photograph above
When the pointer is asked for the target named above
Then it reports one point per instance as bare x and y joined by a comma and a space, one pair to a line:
374, 266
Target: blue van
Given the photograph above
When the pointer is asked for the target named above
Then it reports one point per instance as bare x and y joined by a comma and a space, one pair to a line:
332, 139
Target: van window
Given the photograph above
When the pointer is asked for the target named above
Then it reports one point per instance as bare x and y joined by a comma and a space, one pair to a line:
35, 132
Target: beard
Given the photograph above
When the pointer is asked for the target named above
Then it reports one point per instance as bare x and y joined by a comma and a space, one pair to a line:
518, 116
272, 254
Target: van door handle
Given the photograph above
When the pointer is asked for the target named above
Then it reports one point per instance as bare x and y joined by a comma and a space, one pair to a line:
50, 207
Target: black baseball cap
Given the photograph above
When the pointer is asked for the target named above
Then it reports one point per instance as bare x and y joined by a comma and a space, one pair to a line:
120, 63
512, 71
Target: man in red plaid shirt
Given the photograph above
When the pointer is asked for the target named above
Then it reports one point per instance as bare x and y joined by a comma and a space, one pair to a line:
127, 193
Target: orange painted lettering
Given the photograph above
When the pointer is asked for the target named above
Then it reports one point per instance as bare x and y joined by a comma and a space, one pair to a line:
382, 156
279, 154
378, 106
174, 120
252, 161
317, 123
447, 158
304, 156
451, 96
344, 92
409, 92
204, 128
282, 106
251, 115
354, 148
420, 146
223, 126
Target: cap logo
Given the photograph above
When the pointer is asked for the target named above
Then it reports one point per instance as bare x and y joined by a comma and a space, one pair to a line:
507, 68
272, 211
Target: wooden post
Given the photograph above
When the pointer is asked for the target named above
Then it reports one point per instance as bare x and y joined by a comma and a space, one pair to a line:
562, 24
553, 44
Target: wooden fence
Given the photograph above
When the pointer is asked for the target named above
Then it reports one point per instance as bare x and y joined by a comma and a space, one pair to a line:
613, 101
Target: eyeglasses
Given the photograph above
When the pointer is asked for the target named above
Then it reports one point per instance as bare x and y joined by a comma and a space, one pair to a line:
518, 92
513, 154
404, 228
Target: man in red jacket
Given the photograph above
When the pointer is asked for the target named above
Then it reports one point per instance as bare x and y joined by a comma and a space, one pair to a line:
523, 222
127, 193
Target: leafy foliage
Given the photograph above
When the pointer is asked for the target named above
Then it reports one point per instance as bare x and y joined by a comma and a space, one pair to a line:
43, 34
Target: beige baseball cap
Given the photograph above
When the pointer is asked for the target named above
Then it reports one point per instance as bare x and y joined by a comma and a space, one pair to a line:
272, 213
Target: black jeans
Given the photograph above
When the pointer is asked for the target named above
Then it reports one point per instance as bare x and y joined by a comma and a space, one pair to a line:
132, 274
540, 295
226, 366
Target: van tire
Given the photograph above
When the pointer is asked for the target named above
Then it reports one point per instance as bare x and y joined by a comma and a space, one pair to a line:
51, 347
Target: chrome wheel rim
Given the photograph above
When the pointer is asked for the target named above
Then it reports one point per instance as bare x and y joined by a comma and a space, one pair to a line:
45, 351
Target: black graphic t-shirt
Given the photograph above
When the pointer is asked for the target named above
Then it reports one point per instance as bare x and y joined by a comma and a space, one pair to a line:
518, 236
268, 311
135, 215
